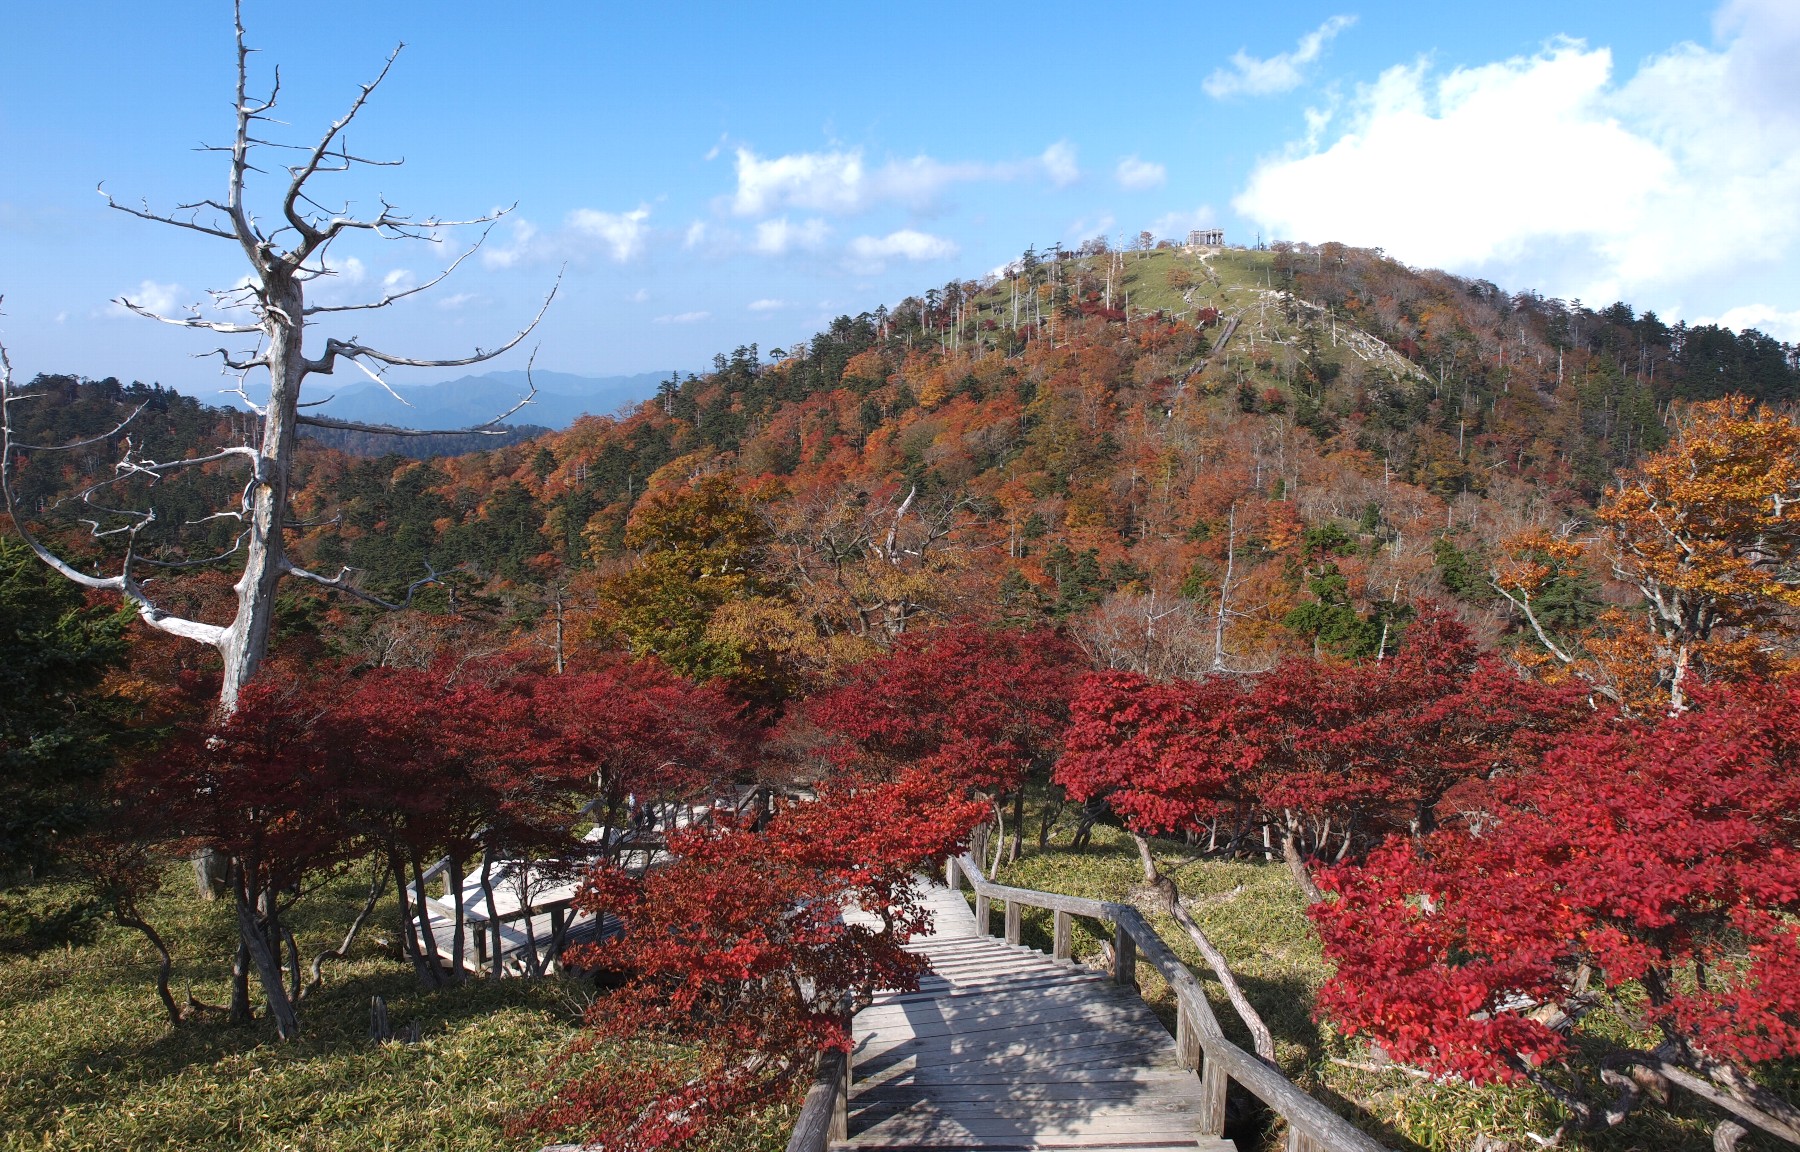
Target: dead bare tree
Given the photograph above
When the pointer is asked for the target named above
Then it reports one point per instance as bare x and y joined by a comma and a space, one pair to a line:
270, 309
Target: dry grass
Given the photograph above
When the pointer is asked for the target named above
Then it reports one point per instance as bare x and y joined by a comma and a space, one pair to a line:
89, 1062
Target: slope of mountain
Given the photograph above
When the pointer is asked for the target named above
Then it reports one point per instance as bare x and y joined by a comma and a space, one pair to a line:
470, 400
1250, 452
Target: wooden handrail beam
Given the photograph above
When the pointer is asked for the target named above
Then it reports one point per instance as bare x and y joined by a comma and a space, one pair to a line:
1312, 1126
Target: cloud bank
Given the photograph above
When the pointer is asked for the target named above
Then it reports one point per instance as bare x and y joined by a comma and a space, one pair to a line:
1666, 188
843, 183
1283, 72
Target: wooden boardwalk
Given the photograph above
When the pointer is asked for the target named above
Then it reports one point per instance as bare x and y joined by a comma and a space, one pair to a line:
1005, 1048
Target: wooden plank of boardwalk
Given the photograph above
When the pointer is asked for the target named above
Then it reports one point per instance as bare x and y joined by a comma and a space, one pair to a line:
1005, 1048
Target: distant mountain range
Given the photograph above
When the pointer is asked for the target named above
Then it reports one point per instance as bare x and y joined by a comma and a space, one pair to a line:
471, 400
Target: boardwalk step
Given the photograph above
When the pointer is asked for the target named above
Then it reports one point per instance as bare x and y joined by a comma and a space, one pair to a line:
1004, 1049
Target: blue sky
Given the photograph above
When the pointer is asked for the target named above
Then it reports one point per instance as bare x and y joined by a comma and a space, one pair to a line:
719, 174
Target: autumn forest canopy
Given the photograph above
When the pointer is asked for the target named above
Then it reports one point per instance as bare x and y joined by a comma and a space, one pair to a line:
1471, 613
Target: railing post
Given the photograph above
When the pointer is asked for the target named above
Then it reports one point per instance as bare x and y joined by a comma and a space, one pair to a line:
983, 924
1187, 1039
1213, 1084
1013, 911
1124, 956
840, 1102
952, 876
1299, 1141
1063, 937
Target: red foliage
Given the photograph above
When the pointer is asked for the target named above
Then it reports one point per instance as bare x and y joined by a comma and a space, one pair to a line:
258, 785
634, 730
738, 955
978, 705
1645, 855
1328, 742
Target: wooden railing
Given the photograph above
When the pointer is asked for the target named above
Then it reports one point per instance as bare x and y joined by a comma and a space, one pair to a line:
1312, 1127
825, 1115
1202, 1046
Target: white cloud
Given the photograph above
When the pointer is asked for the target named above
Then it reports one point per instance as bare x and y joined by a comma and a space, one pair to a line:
774, 237
1669, 189
457, 301
620, 236
1059, 165
871, 253
1283, 72
767, 305
524, 233
696, 235
1136, 175
817, 181
621, 233
1176, 225
842, 182
684, 318
640, 296
162, 299
1784, 326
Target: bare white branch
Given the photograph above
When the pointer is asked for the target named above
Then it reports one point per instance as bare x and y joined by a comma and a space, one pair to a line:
352, 348
193, 320
145, 213
491, 428
341, 583
123, 583
393, 297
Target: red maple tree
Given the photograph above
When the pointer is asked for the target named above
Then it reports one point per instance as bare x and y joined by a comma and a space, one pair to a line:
736, 961
1653, 860
979, 706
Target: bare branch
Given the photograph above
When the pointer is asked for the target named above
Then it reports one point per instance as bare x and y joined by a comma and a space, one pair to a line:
107, 435
313, 237
393, 297
144, 213
491, 428
237, 546
353, 349
341, 583
194, 320
257, 361
123, 584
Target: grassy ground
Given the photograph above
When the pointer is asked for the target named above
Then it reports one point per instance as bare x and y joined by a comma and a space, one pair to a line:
88, 1061
1254, 914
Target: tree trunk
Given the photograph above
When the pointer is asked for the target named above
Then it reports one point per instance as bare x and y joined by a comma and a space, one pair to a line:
456, 945
1290, 850
431, 969
409, 933
212, 872
165, 965
1152, 875
492, 928
999, 838
1052, 809
1259, 1031
246, 639
268, 969
240, 985
377, 885
1018, 826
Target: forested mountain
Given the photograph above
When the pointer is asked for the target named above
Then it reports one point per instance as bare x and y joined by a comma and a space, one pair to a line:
1472, 613
1204, 457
